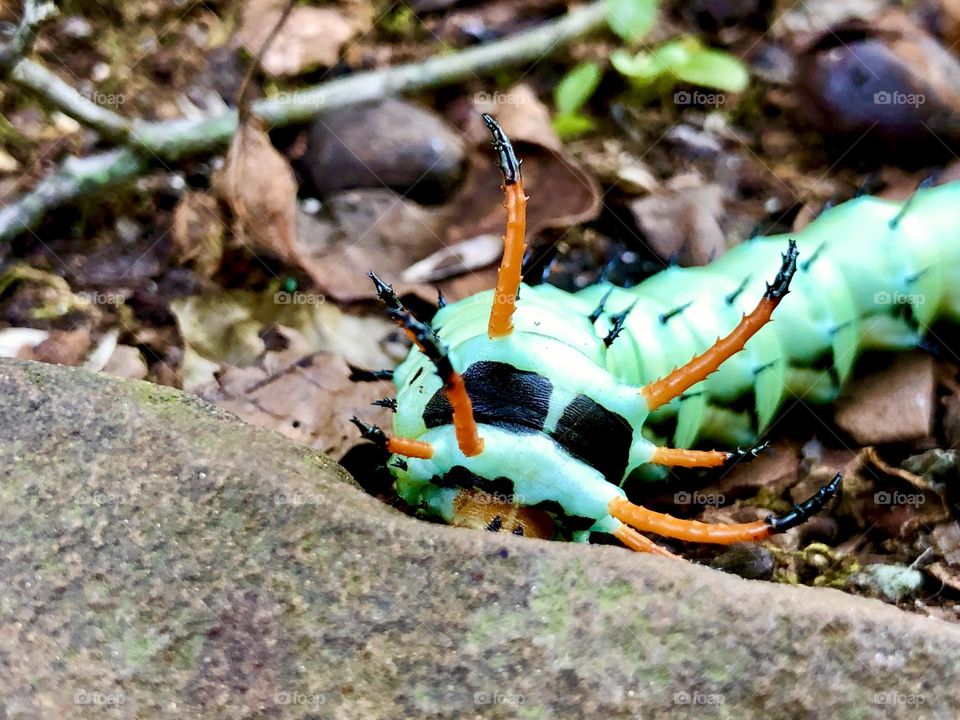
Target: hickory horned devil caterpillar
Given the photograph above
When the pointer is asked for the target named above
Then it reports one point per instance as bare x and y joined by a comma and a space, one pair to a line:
537, 397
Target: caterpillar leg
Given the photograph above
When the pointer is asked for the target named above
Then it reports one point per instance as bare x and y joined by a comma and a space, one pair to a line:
635, 541
465, 425
408, 447
683, 378
509, 274
678, 457
646, 520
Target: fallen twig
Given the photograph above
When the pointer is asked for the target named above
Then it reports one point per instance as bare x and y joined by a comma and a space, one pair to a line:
171, 141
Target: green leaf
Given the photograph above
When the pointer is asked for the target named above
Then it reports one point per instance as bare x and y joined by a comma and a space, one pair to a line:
576, 87
631, 19
713, 69
571, 125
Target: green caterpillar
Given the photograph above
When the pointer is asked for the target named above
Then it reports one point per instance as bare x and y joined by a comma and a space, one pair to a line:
538, 398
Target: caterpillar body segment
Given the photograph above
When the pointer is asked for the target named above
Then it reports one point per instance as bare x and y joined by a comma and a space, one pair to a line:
561, 392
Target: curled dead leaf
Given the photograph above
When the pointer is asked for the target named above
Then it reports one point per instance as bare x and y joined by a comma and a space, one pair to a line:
197, 234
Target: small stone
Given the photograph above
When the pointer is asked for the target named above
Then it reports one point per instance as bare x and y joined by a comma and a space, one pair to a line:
748, 560
391, 144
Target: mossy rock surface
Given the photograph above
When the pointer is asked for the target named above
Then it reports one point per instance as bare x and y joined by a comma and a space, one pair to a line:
158, 558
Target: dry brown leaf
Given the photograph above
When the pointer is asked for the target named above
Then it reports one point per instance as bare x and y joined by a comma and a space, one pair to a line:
198, 230
63, 347
309, 398
682, 224
367, 230
447, 262
259, 186
890, 405
310, 37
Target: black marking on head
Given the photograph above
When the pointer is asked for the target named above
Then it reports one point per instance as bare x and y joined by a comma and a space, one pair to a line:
781, 283
732, 297
595, 435
509, 165
460, 477
495, 524
502, 396
617, 326
665, 317
417, 374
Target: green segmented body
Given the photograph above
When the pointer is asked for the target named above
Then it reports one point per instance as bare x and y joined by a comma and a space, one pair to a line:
872, 274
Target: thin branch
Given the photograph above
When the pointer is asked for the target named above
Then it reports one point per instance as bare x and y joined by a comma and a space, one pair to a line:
61, 96
35, 13
243, 96
174, 140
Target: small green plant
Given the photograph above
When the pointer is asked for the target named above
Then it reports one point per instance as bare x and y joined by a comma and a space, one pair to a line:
652, 73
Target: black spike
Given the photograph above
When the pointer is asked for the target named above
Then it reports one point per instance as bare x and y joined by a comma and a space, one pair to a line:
387, 402
617, 324
748, 454
805, 265
400, 464
802, 511
666, 317
732, 297
495, 524
518, 530
925, 183
441, 301
765, 366
370, 432
509, 165
423, 335
781, 283
361, 375
916, 276
598, 310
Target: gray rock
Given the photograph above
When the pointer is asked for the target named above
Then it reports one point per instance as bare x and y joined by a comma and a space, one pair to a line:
390, 143
160, 558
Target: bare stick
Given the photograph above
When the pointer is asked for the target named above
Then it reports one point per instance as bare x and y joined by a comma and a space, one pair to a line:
174, 140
